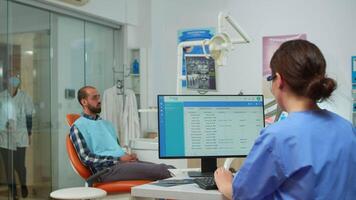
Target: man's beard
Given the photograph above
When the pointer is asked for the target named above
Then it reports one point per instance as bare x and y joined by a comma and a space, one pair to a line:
95, 110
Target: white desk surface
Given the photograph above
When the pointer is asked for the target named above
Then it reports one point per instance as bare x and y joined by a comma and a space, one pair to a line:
78, 193
182, 192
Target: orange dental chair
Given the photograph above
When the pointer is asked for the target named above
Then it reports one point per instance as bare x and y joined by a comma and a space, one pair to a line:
85, 173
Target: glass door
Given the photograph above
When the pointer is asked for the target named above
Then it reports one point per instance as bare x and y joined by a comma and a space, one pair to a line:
83, 54
67, 78
25, 76
44, 59
6, 153
99, 51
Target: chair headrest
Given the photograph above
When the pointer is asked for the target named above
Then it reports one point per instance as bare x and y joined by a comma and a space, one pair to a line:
71, 118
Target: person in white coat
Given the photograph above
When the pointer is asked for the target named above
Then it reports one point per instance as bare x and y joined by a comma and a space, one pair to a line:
7, 139
24, 110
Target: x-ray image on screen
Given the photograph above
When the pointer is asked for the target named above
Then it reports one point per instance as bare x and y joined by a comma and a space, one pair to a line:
200, 72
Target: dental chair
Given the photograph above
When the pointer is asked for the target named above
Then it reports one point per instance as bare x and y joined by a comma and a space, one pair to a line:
115, 187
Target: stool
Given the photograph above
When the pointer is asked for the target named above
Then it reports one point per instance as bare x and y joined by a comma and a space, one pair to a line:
78, 193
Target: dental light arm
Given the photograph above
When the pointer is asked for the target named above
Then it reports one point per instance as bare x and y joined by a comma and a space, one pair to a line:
234, 25
219, 46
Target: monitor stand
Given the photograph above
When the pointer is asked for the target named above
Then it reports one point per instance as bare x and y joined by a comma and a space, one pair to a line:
208, 167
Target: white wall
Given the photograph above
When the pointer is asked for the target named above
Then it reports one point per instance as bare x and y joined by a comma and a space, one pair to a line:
328, 24
139, 33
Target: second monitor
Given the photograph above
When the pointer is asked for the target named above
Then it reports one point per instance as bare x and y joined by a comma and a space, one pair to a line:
208, 127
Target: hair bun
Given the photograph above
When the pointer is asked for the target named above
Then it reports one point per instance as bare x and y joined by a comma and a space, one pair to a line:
320, 88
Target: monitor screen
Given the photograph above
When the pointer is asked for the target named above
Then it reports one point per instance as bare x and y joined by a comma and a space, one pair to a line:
196, 126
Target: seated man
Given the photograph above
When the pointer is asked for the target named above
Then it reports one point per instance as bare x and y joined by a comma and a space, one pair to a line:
98, 146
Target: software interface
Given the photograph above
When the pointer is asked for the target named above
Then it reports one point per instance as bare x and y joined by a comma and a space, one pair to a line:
201, 125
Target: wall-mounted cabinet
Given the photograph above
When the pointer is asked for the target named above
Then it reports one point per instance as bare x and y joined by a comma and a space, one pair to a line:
133, 70
136, 80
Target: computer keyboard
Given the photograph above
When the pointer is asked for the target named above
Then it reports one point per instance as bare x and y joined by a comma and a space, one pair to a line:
206, 183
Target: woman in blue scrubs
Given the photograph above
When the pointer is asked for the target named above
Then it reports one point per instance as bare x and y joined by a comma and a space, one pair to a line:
309, 155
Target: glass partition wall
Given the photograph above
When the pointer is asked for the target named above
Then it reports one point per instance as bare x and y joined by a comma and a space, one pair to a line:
25, 130
45, 58
84, 55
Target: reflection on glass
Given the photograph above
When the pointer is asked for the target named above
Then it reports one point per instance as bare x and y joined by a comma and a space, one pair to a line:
67, 74
33, 104
24, 72
7, 111
99, 46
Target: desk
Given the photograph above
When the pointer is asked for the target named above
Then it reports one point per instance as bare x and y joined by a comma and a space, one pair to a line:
182, 192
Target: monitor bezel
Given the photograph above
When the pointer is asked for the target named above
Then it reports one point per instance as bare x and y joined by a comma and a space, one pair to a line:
197, 157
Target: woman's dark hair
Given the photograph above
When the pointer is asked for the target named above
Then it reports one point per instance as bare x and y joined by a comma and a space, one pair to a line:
302, 66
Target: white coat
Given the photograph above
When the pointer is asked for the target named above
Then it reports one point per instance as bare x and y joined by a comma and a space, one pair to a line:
7, 113
24, 106
131, 120
121, 110
112, 108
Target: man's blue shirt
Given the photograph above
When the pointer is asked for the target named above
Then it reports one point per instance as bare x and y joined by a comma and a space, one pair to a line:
309, 155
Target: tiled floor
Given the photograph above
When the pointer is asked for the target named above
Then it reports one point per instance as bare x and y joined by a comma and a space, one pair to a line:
35, 192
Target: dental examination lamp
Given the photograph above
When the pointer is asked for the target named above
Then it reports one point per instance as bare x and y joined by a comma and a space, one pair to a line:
220, 45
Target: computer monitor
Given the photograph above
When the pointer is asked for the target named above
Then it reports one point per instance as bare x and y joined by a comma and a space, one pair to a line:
208, 126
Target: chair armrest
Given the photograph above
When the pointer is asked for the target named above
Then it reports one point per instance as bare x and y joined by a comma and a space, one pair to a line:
95, 176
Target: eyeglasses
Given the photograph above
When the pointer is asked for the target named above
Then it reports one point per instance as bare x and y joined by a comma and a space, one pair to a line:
94, 97
271, 77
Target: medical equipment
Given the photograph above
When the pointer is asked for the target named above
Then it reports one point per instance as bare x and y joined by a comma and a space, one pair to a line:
222, 43
219, 45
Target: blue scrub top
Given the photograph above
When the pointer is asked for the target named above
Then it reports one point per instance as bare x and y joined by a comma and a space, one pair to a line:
309, 155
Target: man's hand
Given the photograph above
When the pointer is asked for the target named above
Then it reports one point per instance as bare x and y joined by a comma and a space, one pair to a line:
128, 158
223, 179
134, 156
125, 158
